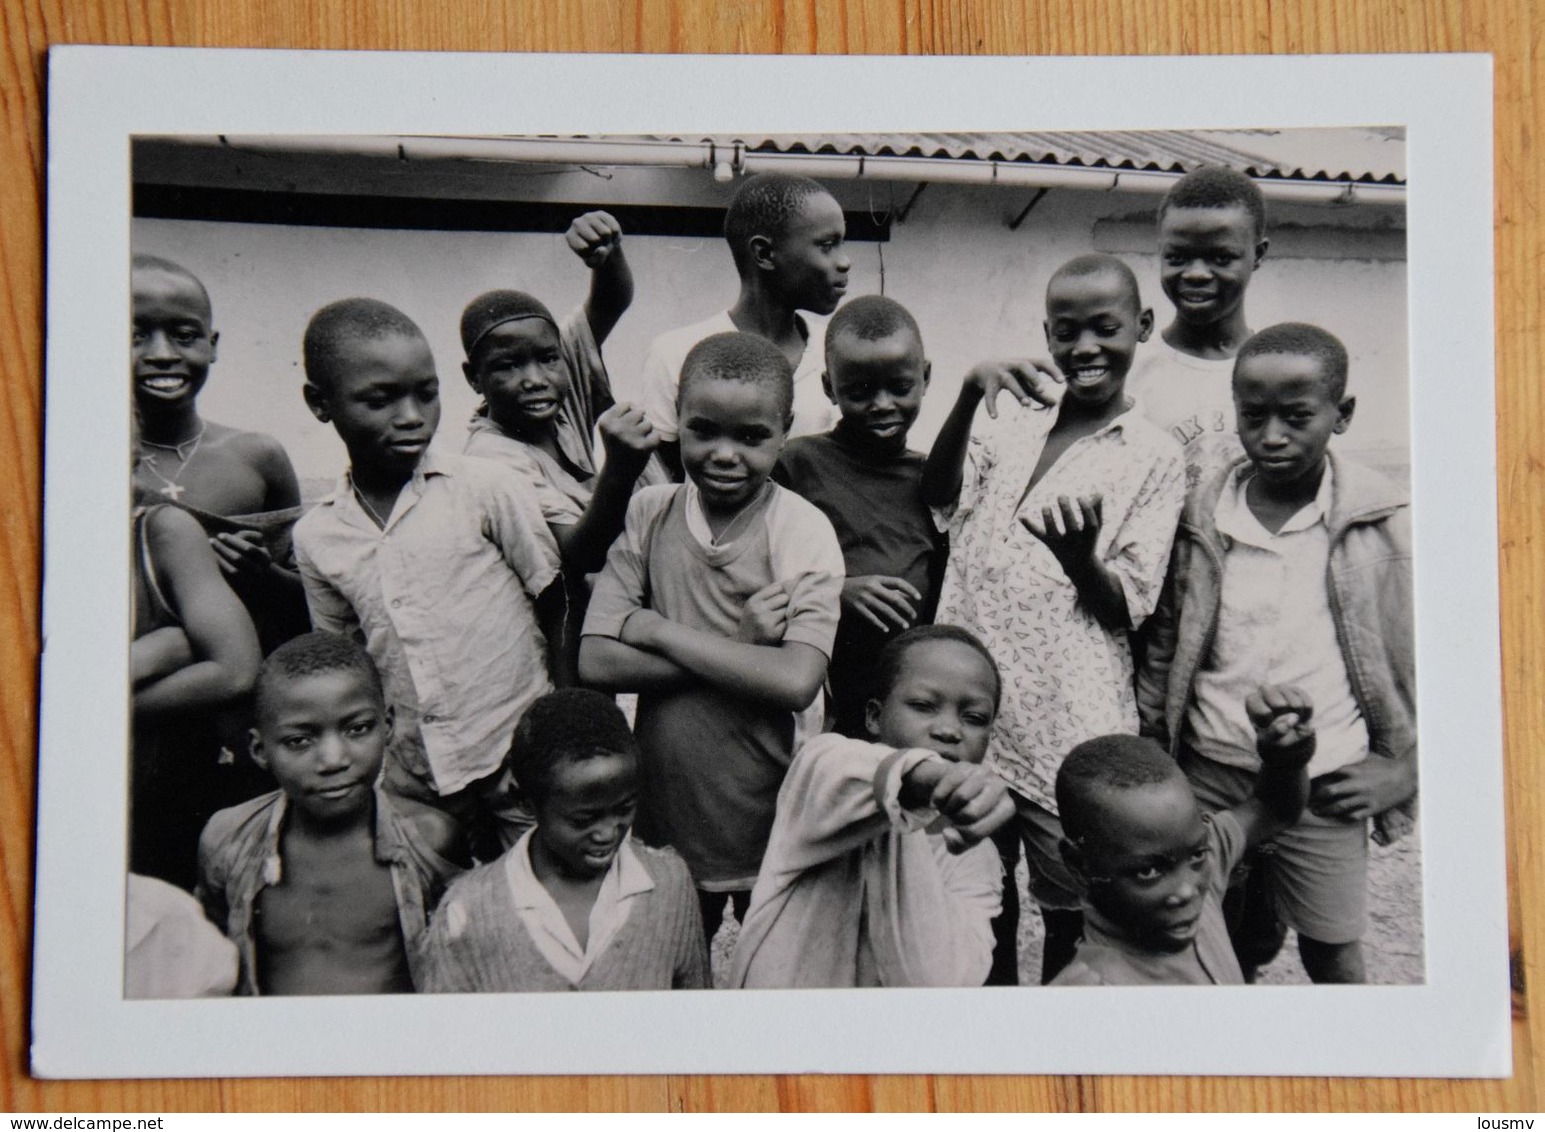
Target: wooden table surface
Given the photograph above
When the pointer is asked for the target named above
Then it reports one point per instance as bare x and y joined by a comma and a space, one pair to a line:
1509, 29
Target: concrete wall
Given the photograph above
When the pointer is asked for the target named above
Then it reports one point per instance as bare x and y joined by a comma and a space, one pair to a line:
975, 286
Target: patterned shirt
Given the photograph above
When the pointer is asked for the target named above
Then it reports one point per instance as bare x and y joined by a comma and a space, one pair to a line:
1066, 677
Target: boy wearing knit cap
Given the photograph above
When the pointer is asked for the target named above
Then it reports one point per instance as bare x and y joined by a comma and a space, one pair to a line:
546, 391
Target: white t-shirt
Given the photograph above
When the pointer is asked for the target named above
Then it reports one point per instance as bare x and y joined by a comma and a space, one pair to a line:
1192, 399
813, 410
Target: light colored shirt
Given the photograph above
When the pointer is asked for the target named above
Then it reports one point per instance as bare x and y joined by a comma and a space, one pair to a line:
1066, 677
1192, 399
443, 599
170, 949
813, 410
857, 890
713, 759
625, 881
1274, 626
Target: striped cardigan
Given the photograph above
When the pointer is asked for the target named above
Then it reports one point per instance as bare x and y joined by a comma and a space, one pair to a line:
477, 941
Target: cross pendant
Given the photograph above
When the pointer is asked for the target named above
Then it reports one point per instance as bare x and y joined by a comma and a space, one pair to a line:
173, 491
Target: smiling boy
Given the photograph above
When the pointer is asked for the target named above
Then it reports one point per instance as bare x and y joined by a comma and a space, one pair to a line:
718, 605
441, 564
1152, 865
271, 870
786, 237
1294, 565
1212, 240
1060, 525
239, 484
879, 871
575, 904
867, 481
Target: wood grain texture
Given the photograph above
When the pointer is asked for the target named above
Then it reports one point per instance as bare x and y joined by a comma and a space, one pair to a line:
1508, 28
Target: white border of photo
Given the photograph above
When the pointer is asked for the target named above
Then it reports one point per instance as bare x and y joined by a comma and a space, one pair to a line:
1456, 1024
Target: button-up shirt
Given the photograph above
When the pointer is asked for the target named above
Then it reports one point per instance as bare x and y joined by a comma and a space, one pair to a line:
1066, 677
625, 881
239, 856
443, 598
1274, 626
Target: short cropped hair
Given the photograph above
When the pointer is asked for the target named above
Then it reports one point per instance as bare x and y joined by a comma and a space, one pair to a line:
313, 654
1300, 338
1097, 263
345, 323
737, 356
870, 318
764, 205
887, 668
571, 724
1100, 766
1217, 186
143, 262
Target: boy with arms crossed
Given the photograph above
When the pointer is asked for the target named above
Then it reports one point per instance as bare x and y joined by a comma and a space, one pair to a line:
1153, 866
785, 234
879, 871
869, 484
326, 884
718, 605
1060, 528
1294, 564
440, 564
575, 904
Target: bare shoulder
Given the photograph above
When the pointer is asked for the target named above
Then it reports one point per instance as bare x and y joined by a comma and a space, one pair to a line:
256, 448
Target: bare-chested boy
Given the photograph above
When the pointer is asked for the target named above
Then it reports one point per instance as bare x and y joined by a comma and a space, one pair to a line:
326, 884
239, 484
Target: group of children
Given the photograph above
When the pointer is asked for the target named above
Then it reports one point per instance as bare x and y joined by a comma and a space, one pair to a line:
1129, 628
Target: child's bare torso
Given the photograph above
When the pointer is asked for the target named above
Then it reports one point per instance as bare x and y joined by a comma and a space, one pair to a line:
225, 471
331, 926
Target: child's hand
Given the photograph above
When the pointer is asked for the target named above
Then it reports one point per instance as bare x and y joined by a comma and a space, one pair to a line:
1284, 735
886, 603
974, 801
594, 237
765, 616
1072, 541
241, 553
1028, 380
627, 436
1365, 789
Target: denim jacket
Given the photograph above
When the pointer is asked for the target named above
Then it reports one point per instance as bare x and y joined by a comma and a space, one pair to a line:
238, 857
1369, 581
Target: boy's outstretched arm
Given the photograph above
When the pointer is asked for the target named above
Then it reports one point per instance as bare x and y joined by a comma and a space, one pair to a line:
759, 665
596, 238
1284, 739
224, 644
1028, 382
1072, 533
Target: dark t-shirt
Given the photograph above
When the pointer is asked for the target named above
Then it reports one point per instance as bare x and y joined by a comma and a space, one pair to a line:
875, 504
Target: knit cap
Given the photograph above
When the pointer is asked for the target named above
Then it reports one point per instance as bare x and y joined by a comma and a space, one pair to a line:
495, 308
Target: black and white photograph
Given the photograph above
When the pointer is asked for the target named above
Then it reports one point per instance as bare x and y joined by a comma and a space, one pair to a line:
740, 560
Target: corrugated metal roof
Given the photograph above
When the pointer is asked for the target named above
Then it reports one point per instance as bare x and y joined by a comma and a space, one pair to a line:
1368, 154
